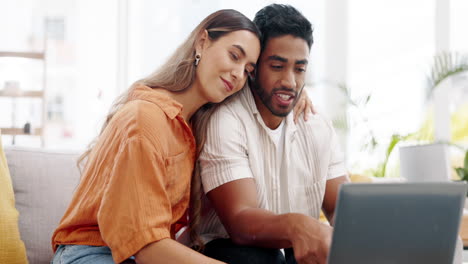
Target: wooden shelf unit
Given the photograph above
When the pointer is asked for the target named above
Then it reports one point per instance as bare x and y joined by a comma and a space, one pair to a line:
27, 55
38, 94
20, 93
19, 131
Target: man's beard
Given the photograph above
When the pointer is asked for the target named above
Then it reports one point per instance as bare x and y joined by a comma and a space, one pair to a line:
266, 98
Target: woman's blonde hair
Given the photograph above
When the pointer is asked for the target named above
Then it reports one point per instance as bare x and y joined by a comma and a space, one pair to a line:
178, 74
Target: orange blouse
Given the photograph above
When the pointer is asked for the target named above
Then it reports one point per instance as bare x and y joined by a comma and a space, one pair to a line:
136, 183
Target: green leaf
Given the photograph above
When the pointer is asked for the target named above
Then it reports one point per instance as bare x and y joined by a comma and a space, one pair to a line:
341, 123
462, 173
395, 139
393, 142
344, 89
466, 160
379, 171
368, 99
374, 142
445, 65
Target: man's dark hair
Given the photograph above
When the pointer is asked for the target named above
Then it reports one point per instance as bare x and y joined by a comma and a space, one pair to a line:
277, 20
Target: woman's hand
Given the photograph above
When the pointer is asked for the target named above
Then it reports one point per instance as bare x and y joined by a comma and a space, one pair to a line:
304, 106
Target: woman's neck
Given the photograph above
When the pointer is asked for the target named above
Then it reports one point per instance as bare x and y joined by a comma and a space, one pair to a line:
191, 100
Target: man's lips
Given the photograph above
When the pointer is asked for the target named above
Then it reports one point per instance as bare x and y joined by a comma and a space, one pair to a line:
228, 85
284, 98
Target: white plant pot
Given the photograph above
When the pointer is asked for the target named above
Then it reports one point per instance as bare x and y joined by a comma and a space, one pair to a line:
425, 163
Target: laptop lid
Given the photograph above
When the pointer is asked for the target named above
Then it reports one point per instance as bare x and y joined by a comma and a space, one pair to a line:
397, 223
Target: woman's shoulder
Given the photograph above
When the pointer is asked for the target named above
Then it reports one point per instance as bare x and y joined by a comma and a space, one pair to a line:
139, 118
140, 112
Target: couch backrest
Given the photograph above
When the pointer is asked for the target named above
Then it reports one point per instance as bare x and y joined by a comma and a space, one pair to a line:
43, 182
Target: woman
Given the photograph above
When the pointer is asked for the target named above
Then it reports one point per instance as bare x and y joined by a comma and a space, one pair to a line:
136, 181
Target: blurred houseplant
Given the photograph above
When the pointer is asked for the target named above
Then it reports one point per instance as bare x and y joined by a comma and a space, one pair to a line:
445, 65
451, 66
357, 116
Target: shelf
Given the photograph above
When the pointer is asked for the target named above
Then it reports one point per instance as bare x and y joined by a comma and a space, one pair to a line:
29, 55
19, 131
22, 93
13, 90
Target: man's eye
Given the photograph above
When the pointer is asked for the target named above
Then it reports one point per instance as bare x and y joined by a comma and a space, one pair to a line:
300, 69
276, 66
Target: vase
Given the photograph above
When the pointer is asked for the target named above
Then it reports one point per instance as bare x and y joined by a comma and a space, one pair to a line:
425, 163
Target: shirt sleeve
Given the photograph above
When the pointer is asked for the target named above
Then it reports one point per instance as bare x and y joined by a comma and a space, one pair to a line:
135, 208
336, 167
224, 157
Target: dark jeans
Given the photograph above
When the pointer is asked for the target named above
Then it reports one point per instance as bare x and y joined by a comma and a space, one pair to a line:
225, 250
81, 254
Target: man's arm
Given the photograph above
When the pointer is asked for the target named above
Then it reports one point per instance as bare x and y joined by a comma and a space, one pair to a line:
331, 196
338, 174
247, 224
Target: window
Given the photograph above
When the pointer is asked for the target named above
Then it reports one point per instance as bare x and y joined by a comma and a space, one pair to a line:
391, 44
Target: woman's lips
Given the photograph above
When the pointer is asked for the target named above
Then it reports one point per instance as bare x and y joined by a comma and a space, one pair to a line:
228, 85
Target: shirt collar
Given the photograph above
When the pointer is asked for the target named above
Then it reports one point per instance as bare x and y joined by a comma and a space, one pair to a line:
169, 106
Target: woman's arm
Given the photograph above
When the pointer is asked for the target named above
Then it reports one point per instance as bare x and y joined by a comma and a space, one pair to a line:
170, 251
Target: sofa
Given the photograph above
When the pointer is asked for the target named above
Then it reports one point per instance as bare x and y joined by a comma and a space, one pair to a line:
43, 183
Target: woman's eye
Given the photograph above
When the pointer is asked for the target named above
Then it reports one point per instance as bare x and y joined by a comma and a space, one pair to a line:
276, 66
234, 56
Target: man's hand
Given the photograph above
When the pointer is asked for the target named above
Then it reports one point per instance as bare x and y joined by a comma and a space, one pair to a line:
304, 105
311, 240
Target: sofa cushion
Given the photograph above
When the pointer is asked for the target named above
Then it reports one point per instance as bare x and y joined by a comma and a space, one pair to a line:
43, 182
11, 247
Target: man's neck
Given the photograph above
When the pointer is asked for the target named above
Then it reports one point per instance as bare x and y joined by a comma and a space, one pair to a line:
269, 119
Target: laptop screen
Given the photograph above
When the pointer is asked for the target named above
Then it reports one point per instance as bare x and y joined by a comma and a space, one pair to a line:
397, 223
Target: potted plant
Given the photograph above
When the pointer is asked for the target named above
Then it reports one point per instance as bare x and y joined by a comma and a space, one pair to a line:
445, 66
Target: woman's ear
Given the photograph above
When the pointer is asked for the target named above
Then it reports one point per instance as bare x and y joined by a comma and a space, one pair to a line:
203, 42
253, 76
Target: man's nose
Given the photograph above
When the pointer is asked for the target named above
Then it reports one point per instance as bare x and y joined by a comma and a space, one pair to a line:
288, 80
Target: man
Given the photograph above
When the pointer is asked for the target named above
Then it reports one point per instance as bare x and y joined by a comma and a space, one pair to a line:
266, 177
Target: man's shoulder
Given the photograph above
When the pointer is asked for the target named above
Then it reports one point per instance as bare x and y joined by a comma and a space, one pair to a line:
318, 128
314, 122
234, 107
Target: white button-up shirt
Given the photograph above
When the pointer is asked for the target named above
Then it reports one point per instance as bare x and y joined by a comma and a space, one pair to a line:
239, 145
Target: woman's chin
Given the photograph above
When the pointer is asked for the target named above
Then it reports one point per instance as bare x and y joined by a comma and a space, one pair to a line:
217, 99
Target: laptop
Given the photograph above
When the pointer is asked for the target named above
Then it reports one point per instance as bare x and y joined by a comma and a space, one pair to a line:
402, 223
